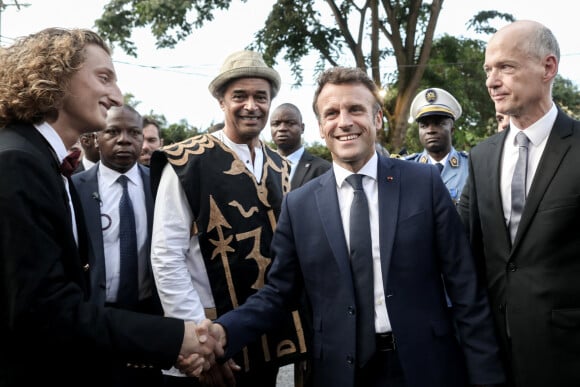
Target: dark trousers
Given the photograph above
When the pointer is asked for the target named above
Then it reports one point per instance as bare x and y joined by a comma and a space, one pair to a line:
384, 369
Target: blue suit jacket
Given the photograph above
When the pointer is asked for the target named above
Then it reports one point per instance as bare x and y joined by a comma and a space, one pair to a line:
87, 186
421, 240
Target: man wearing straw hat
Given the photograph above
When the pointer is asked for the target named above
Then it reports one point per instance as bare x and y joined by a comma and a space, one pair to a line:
218, 198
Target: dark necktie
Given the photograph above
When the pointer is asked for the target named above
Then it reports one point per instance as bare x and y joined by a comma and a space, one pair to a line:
128, 294
70, 163
519, 183
361, 261
439, 167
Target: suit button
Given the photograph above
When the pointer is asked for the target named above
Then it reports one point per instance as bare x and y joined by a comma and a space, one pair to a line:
512, 267
351, 310
350, 360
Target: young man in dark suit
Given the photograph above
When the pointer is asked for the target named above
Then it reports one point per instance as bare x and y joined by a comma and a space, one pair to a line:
55, 85
521, 205
101, 195
287, 129
379, 313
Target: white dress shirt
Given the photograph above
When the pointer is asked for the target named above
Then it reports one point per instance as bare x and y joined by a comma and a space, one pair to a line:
293, 159
182, 282
345, 196
537, 133
110, 192
57, 145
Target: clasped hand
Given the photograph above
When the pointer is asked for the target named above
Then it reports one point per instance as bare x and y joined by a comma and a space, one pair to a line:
202, 345
199, 349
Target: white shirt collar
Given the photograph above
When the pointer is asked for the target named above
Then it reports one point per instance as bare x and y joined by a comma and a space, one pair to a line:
538, 131
369, 169
53, 139
295, 156
109, 176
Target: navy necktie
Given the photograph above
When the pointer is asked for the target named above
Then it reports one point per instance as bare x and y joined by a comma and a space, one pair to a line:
439, 167
519, 183
361, 261
128, 294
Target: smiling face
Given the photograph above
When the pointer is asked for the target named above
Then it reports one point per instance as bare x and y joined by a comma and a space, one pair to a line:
246, 104
92, 92
121, 141
348, 122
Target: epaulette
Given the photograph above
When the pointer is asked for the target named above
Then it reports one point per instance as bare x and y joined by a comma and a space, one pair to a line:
464, 154
396, 156
412, 156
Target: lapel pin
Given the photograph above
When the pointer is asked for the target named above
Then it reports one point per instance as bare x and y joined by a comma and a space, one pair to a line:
389, 178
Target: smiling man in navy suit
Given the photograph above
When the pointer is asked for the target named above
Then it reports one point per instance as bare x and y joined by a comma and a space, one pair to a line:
411, 244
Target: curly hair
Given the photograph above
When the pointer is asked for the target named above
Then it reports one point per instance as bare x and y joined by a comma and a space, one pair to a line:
35, 72
341, 76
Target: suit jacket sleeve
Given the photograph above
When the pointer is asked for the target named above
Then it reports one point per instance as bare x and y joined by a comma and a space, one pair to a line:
43, 298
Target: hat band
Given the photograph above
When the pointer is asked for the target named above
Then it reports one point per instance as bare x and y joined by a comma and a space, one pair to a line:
435, 109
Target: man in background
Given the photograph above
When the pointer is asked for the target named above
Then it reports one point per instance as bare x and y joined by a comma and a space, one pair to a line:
90, 151
436, 112
151, 139
503, 121
121, 275
287, 129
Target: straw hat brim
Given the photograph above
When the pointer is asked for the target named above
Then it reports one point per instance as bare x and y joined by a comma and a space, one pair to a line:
245, 72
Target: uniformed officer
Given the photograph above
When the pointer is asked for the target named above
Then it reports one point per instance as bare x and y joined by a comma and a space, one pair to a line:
436, 111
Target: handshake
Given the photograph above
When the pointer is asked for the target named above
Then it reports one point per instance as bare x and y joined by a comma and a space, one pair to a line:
202, 345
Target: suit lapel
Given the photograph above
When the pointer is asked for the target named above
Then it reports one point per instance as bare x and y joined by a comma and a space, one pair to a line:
87, 187
301, 170
389, 188
492, 169
329, 211
556, 149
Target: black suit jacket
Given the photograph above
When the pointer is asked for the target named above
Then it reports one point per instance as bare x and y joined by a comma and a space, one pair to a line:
537, 280
421, 240
308, 168
49, 332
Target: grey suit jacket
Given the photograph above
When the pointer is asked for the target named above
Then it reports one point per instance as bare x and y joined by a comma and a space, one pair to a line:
536, 282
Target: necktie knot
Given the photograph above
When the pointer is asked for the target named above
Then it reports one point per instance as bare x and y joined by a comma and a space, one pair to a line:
355, 180
70, 163
123, 181
439, 167
522, 140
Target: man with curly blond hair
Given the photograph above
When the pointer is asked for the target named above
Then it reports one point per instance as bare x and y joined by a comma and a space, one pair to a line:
54, 86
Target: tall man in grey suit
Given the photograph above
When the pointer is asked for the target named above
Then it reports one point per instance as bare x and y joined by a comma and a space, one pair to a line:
527, 240
287, 129
412, 243
100, 194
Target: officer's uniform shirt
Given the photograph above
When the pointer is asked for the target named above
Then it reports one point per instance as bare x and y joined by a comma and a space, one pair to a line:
455, 169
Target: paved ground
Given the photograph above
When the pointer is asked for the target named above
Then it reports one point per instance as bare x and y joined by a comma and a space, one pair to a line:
286, 376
